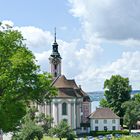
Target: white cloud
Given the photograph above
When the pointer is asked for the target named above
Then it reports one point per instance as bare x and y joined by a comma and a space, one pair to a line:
74, 58
115, 21
127, 66
37, 40
8, 22
130, 43
109, 19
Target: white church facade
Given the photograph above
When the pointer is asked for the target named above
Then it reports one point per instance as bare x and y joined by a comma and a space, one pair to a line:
71, 104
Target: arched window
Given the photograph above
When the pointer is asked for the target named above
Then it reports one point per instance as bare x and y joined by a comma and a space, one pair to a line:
64, 108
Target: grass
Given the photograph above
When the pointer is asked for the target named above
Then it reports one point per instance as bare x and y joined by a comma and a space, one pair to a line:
51, 138
123, 138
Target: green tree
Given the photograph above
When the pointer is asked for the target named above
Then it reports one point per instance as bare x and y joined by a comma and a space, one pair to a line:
117, 91
29, 129
136, 98
62, 130
20, 80
44, 121
104, 103
132, 113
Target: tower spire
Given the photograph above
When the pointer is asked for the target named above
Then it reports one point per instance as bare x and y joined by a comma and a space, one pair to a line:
55, 34
55, 58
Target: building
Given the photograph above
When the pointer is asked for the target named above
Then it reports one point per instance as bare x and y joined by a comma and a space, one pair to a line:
104, 119
71, 104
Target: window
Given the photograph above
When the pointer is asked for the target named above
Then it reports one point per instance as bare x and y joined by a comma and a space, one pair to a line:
105, 128
113, 127
113, 121
64, 109
85, 128
55, 74
96, 128
105, 121
96, 121
55, 67
81, 108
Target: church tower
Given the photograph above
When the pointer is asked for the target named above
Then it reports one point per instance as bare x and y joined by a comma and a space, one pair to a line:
55, 59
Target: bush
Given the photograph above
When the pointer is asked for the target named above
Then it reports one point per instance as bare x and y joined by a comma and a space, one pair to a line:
71, 137
97, 133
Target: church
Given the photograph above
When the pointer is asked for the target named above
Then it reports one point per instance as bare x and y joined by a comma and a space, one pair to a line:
71, 104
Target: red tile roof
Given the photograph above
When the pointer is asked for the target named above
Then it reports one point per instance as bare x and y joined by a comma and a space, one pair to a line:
68, 88
103, 113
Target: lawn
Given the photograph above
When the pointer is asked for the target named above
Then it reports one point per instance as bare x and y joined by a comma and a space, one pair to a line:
123, 138
51, 138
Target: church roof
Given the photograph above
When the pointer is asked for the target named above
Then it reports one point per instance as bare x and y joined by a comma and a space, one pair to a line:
103, 113
67, 92
62, 82
73, 83
68, 88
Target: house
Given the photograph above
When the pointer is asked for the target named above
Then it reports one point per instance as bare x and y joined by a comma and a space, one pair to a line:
104, 119
71, 104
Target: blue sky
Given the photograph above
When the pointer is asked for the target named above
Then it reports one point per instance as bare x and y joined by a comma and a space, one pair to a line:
96, 38
44, 14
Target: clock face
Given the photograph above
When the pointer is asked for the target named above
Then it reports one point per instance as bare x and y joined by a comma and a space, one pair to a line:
55, 61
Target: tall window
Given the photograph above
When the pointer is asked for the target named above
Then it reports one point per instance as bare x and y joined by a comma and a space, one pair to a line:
55, 74
64, 109
105, 128
113, 127
96, 128
55, 67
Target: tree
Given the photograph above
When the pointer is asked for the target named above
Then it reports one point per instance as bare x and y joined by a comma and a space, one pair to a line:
132, 113
44, 121
62, 130
29, 129
117, 91
136, 98
20, 80
104, 103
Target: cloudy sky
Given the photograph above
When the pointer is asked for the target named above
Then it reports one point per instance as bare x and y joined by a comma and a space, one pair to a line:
97, 38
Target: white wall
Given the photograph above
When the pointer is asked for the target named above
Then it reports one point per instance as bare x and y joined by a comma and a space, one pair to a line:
71, 116
101, 124
73, 111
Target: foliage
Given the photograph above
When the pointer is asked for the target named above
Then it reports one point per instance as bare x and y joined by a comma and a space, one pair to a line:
104, 103
20, 80
29, 129
45, 121
132, 113
97, 133
117, 91
62, 130
136, 98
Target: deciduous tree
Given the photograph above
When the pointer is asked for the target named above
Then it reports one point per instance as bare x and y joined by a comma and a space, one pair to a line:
132, 113
117, 91
20, 79
104, 103
62, 130
29, 129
